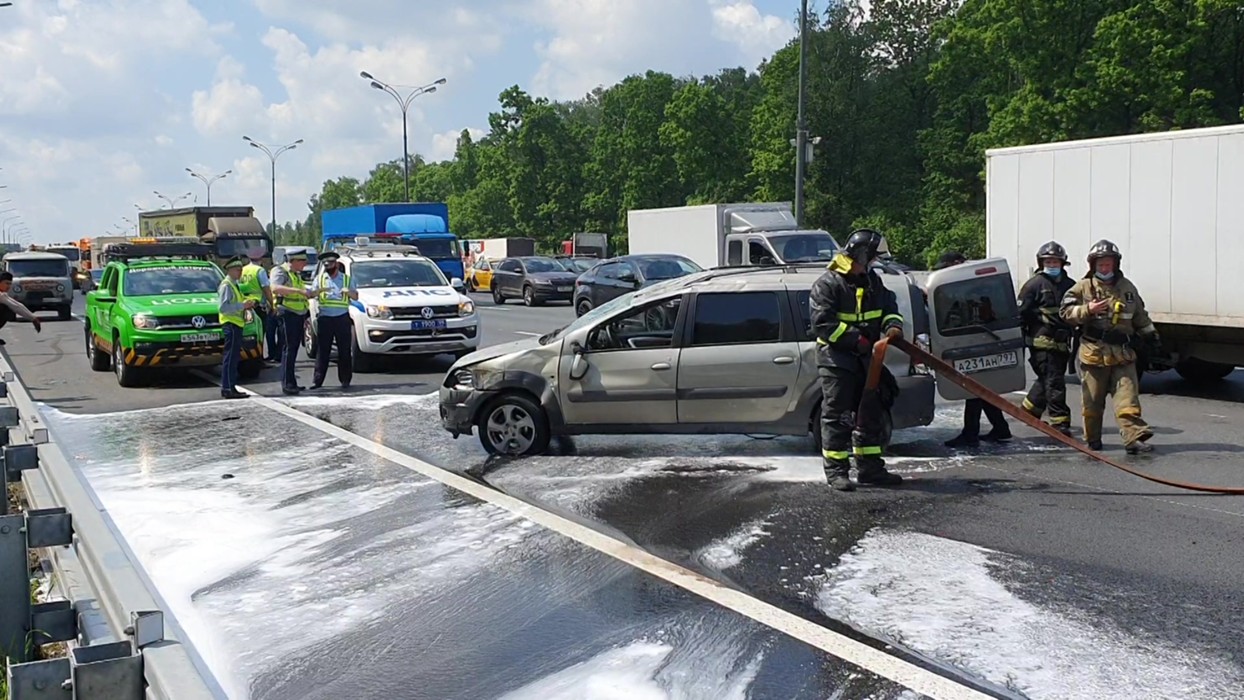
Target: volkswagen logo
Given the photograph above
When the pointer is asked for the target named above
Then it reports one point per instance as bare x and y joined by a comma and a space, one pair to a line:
198, 322
427, 312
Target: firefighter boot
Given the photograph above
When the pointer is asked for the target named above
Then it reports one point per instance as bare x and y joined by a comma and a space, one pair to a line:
872, 472
838, 473
1092, 431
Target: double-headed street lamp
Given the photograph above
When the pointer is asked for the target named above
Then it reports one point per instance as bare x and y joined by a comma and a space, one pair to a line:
172, 203
272, 156
404, 103
208, 181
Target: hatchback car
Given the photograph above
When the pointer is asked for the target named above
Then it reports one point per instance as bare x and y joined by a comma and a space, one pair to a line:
534, 279
613, 278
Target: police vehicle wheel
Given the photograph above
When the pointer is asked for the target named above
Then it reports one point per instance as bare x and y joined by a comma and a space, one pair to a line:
360, 361
127, 376
582, 307
100, 361
513, 426
308, 337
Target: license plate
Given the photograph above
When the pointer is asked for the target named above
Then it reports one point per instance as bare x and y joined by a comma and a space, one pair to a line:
969, 365
199, 337
426, 325
564, 289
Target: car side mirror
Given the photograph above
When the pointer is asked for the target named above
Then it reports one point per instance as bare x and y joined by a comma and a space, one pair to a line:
628, 277
579, 365
456, 283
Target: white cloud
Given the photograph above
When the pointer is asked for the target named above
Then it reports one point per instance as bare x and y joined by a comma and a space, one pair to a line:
757, 35
445, 144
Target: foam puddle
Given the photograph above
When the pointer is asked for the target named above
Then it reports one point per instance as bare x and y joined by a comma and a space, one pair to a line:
946, 599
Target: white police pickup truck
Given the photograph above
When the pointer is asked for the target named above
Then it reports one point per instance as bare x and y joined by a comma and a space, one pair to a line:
405, 305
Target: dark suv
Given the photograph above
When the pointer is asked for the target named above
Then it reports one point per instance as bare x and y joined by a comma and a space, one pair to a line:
612, 278
534, 279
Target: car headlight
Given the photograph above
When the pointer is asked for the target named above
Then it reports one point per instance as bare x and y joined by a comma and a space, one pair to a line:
146, 321
380, 312
466, 307
468, 378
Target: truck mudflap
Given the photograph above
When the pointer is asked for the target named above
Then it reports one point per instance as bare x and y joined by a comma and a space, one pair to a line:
155, 354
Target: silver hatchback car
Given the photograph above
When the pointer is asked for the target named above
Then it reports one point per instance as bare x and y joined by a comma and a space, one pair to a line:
725, 351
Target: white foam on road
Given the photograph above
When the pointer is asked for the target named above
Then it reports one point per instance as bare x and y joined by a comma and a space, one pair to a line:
945, 599
727, 552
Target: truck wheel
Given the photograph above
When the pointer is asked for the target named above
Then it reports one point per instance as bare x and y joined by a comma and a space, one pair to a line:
529, 296
582, 307
99, 360
360, 361
513, 426
497, 297
64, 313
127, 376
1202, 372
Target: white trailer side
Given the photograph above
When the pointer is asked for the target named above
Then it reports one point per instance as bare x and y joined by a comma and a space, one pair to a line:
1174, 204
692, 232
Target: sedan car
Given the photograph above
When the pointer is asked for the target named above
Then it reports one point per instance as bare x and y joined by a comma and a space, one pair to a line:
613, 278
534, 279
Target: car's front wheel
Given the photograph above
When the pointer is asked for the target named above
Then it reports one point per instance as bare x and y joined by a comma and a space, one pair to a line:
127, 376
497, 297
513, 425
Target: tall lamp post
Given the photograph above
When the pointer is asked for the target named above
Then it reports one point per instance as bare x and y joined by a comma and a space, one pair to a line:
272, 156
404, 103
801, 124
171, 201
208, 181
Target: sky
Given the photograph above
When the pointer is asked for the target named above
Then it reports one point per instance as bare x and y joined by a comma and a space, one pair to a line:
105, 102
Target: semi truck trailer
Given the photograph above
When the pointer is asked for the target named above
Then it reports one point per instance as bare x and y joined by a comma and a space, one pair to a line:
1171, 202
229, 230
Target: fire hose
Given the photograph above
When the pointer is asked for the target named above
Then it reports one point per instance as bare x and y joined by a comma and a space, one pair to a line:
946, 372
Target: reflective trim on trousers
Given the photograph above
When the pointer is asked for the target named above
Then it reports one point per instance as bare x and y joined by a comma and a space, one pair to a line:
864, 451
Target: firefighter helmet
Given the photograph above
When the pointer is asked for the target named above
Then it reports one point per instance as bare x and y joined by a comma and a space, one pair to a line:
1104, 249
1052, 250
863, 245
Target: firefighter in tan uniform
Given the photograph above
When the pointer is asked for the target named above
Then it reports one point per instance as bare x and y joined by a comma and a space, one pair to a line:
1112, 318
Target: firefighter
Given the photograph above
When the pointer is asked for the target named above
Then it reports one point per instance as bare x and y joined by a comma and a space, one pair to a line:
851, 309
1111, 315
1048, 336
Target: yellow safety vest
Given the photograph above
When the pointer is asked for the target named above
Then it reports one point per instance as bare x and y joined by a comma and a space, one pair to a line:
295, 304
344, 301
249, 283
239, 319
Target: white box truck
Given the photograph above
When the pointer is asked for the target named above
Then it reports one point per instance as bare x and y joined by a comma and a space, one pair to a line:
1174, 204
715, 235
497, 248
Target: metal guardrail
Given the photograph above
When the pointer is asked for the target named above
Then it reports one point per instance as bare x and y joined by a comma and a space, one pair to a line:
122, 643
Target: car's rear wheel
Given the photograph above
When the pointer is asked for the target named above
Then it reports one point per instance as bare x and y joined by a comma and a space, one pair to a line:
99, 360
514, 426
127, 376
582, 307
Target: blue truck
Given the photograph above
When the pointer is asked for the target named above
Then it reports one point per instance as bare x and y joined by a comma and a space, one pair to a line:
424, 225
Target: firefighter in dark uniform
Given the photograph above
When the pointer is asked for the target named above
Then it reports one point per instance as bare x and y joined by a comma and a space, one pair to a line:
1048, 336
851, 309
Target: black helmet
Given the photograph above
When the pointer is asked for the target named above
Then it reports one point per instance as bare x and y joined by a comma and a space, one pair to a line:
1052, 250
1104, 249
863, 245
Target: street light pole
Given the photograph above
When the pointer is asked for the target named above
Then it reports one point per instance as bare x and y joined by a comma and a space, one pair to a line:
173, 202
272, 156
404, 104
208, 181
801, 125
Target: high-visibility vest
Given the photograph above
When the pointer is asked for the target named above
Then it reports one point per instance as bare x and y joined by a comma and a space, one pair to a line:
296, 304
238, 319
249, 283
344, 301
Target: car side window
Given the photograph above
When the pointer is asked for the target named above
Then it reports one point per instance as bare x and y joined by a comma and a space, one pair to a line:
108, 283
482, 265
732, 318
626, 268
734, 253
608, 271
758, 254
650, 326
509, 266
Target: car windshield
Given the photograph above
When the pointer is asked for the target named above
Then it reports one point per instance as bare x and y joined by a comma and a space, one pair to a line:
253, 248
576, 264
804, 247
396, 273
542, 265
38, 268
666, 268
605, 310
436, 248
157, 281
72, 253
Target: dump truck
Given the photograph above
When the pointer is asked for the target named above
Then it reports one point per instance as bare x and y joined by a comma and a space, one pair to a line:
424, 225
229, 230
1170, 201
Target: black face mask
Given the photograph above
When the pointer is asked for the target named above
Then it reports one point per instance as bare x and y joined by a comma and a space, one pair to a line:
330, 268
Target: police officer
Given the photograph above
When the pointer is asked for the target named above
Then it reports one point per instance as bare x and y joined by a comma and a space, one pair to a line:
1111, 314
332, 323
1048, 336
233, 310
851, 308
255, 287
290, 314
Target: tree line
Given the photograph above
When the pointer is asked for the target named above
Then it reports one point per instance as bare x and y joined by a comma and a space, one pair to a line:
906, 99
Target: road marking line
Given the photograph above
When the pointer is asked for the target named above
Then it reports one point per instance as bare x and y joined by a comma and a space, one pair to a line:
534, 335
866, 657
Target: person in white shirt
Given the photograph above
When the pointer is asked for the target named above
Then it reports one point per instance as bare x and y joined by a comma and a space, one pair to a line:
11, 308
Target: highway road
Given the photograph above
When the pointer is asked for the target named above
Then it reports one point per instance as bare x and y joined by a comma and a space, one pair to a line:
305, 566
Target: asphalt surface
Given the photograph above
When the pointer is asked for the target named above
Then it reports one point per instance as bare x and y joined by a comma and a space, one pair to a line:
1025, 565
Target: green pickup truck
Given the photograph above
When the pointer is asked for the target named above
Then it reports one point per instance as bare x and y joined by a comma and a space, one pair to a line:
151, 313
